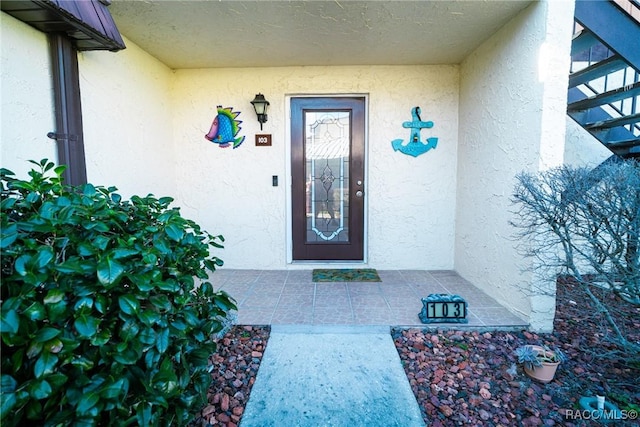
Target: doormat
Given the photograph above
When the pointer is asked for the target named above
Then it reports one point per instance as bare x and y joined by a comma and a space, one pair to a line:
346, 275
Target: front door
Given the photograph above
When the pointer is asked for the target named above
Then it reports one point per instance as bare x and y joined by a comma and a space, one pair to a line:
327, 171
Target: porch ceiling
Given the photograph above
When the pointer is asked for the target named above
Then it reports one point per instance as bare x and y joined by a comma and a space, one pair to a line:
213, 34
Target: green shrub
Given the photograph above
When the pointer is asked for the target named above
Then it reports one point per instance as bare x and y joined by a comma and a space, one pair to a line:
102, 319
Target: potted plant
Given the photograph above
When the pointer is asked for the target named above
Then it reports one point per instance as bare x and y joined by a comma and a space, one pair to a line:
540, 363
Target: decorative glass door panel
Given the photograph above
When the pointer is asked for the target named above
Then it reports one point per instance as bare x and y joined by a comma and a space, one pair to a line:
327, 155
327, 171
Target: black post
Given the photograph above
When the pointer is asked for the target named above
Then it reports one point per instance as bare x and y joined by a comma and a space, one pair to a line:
68, 109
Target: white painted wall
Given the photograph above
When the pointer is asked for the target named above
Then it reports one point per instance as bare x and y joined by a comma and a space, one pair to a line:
27, 97
127, 119
494, 116
582, 148
144, 127
411, 201
512, 116
126, 102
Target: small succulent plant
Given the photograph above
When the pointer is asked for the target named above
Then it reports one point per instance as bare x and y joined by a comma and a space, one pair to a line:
533, 356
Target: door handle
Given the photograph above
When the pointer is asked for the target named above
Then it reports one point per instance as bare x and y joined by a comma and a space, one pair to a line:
359, 193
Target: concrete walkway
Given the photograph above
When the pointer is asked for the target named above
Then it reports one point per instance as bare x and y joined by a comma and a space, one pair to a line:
331, 376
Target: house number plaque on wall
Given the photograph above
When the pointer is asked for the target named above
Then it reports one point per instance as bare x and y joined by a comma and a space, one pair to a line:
263, 140
443, 308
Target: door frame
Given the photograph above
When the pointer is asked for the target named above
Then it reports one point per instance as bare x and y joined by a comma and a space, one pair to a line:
289, 183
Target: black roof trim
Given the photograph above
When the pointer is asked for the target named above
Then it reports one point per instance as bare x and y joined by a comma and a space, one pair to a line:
87, 22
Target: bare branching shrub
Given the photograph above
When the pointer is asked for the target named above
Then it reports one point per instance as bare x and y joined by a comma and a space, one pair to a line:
585, 223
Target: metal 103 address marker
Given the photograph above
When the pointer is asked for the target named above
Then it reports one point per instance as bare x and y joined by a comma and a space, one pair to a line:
443, 308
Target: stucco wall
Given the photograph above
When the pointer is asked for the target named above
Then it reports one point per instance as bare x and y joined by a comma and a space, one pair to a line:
496, 114
581, 148
126, 102
127, 120
411, 201
27, 97
144, 127
512, 116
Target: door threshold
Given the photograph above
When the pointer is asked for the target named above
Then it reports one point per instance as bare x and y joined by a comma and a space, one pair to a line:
329, 264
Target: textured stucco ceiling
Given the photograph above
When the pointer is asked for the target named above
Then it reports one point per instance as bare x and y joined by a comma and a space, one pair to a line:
211, 34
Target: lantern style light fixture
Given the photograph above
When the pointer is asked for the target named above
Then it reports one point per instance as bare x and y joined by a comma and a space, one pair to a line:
260, 105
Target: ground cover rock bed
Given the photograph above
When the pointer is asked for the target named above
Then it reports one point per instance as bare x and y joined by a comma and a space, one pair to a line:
470, 378
236, 365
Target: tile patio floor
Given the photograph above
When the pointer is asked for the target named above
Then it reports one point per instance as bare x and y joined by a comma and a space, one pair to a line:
271, 297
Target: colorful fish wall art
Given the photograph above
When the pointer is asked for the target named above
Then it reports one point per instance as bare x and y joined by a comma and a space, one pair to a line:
415, 147
224, 129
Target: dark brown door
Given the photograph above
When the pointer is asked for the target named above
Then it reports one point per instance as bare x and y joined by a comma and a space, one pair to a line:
327, 167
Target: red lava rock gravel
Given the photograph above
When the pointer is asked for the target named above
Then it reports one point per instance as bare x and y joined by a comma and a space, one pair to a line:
235, 368
470, 378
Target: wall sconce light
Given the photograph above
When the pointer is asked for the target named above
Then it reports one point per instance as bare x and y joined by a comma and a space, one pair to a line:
260, 105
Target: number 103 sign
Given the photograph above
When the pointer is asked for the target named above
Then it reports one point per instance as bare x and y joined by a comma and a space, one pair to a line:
443, 308
263, 140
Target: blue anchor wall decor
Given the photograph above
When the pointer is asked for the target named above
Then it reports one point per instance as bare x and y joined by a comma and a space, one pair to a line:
415, 146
